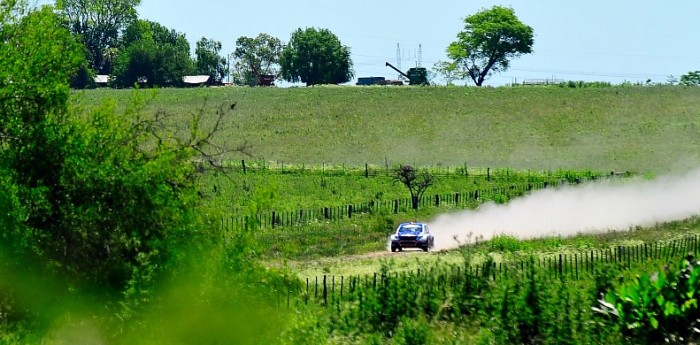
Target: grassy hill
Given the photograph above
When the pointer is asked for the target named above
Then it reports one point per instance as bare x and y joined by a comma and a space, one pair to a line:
621, 128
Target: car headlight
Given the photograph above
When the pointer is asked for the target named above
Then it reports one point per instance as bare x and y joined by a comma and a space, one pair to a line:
394, 237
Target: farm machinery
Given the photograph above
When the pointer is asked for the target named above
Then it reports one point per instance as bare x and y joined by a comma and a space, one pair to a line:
415, 75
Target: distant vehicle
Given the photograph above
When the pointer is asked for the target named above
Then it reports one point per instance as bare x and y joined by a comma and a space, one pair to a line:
412, 235
415, 75
377, 81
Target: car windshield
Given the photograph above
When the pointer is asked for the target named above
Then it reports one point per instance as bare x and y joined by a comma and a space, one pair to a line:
410, 229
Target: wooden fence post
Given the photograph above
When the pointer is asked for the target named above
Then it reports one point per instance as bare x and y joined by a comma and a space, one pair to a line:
560, 265
349, 211
243, 165
325, 291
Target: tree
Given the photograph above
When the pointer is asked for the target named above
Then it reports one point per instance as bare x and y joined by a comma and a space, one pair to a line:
491, 38
104, 197
316, 57
416, 182
153, 55
690, 79
255, 57
449, 70
208, 61
98, 23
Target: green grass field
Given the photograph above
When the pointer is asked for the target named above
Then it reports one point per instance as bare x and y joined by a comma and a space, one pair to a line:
620, 128
314, 144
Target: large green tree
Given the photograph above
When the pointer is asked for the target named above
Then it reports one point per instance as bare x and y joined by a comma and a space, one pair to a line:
152, 55
254, 57
690, 79
98, 203
208, 60
316, 56
490, 40
98, 23
101, 196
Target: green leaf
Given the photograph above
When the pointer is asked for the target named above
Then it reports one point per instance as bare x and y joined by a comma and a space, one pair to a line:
653, 322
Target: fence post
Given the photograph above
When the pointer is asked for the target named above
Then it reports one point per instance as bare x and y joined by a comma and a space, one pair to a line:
325, 291
488, 174
366, 171
560, 265
243, 165
646, 254
349, 211
396, 206
437, 200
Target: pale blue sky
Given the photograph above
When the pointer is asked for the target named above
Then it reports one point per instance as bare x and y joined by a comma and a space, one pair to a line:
607, 40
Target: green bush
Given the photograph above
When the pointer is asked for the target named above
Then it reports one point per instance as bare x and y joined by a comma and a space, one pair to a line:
413, 332
505, 243
658, 308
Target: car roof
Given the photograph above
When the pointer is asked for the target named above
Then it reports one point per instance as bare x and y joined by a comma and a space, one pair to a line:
409, 224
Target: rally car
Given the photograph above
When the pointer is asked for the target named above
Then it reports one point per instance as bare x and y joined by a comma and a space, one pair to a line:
412, 235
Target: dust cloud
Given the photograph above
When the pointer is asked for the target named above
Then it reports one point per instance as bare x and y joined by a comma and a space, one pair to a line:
592, 207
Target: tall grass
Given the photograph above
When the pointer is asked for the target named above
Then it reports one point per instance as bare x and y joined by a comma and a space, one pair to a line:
618, 128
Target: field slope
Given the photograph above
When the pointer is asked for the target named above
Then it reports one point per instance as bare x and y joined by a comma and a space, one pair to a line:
621, 128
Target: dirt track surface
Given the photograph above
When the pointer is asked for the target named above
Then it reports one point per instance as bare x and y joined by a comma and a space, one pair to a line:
385, 253
366, 263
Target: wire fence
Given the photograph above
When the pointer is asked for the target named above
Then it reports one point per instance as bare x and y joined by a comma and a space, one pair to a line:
370, 170
331, 290
302, 217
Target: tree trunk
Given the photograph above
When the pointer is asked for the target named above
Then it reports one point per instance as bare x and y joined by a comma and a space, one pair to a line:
414, 202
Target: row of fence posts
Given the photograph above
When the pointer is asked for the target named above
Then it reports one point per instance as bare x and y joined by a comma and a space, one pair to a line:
300, 217
387, 171
331, 288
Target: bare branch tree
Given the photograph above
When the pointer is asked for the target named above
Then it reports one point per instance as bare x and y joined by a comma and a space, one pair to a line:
416, 182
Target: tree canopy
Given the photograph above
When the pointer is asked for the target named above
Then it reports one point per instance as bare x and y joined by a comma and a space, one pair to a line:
255, 57
316, 56
98, 23
490, 40
208, 60
99, 198
690, 79
152, 54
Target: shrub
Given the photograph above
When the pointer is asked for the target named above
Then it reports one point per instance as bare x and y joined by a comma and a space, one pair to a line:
505, 243
657, 308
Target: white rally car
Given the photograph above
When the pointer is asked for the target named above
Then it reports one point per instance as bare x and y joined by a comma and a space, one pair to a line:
412, 235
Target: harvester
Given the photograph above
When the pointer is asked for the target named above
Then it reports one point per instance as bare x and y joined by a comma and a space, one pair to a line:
415, 75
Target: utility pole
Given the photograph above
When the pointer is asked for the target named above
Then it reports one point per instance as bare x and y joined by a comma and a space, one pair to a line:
420, 55
398, 60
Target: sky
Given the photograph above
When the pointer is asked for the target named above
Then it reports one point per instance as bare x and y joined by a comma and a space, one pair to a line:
598, 40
